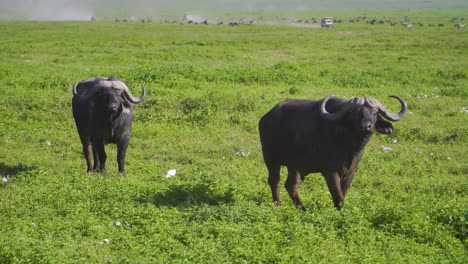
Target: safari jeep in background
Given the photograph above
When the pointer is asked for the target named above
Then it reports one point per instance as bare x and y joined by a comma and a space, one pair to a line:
326, 22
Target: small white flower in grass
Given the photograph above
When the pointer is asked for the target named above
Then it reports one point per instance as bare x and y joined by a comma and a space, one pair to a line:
395, 141
127, 223
5, 179
106, 241
118, 223
48, 143
242, 153
386, 148
170, 173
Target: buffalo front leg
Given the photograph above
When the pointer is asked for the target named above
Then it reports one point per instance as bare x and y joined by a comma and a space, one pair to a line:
273, 181
96, 165
100, 157
292, 184
334, 186
346, 182
87, 152
121, 150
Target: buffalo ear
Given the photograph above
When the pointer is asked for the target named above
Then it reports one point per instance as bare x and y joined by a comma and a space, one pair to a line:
384, 127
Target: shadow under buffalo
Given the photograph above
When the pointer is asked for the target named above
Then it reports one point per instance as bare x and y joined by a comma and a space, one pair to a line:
12, 170
190, 194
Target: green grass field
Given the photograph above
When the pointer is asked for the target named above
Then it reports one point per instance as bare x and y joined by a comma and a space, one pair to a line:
208, 85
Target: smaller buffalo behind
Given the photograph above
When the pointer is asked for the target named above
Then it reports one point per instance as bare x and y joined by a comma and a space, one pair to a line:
326, 136
103, 109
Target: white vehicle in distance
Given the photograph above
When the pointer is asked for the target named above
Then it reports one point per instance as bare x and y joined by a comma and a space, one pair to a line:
326, 22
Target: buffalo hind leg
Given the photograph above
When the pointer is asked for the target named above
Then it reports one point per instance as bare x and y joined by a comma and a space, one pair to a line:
273, 181
292, 184
334, 186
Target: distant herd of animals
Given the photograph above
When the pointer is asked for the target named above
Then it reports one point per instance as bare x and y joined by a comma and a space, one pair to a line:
327, 136
457, 22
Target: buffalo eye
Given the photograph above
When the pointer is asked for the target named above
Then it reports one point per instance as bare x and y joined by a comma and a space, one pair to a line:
126, 104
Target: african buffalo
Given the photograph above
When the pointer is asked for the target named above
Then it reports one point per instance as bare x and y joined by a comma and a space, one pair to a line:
326, 136
102, 108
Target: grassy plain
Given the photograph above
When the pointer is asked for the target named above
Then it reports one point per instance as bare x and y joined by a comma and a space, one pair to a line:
207, 88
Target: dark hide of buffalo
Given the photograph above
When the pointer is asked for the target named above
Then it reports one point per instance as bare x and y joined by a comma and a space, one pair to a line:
103, 109
326, 136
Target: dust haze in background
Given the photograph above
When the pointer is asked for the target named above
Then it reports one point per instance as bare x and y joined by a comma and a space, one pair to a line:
107, 9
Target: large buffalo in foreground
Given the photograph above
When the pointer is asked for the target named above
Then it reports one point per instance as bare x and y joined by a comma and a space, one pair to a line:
102, 108
326, 136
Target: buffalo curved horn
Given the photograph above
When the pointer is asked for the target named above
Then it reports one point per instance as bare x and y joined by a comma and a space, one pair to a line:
128, 95
385, 112
75, 92
336, 116
86, 94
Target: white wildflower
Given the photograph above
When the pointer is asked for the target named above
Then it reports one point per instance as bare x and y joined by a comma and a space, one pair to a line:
127, 223
48, 143
170, 173
107, 241
5, 179
395, 141
386, 148
242, 153
118, 223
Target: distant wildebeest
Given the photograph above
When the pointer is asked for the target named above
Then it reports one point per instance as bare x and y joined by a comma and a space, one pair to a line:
326, 136
103, 109
459, 25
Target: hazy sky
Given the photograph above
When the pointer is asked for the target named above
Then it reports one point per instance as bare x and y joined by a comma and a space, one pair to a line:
84, 9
